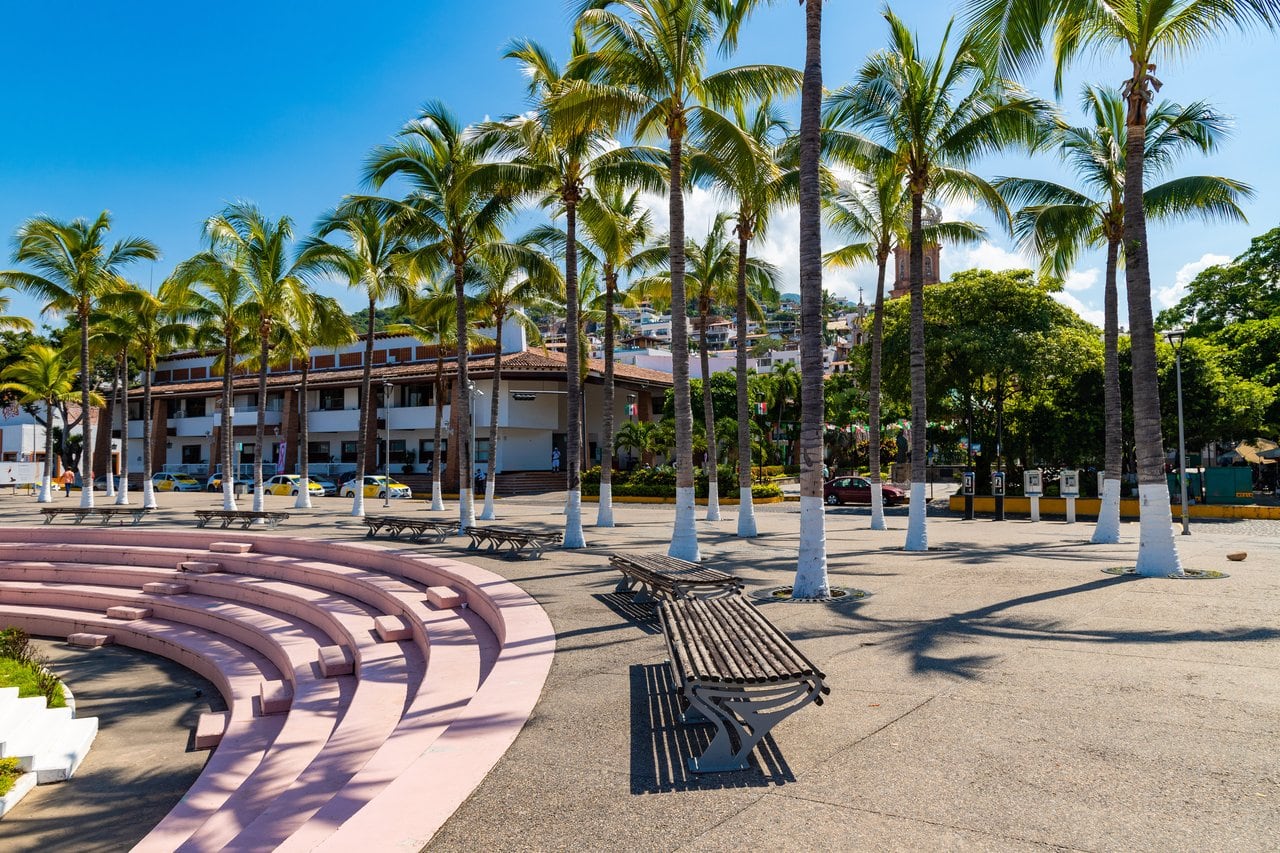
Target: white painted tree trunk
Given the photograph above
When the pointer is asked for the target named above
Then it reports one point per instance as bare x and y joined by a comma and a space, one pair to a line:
1157, 553
877, 505
437, 497
487, 513
111, 484
604, 515
746, 514
228, 492
259, 502
357, 502
713, 502
304, 497
466, 508
86, 478
1107, 531
811, 574
122, 494
917, 522
46, 489
573, 535
149, 496
684, 535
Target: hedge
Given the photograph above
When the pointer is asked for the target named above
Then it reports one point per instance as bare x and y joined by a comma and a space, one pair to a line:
661, 483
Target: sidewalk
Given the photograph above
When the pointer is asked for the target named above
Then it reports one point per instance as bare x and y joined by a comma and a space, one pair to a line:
997, 692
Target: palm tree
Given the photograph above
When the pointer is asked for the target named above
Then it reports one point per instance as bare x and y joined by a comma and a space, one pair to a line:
377, 263
933, 116
564, 156
1059, 222
8, 321
73, 264
508, 283
712, 278
618, 227
43, 376
210, 292
1146, 31
877, 208
111, 333
457, 203
633, 435
744, 157
647, 68
258, 251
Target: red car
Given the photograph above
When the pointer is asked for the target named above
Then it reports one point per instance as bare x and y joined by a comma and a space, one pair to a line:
856, 490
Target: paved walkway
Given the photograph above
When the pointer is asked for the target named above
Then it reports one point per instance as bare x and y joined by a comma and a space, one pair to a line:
998, 692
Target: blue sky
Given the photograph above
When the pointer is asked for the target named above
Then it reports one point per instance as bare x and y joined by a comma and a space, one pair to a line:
163, 112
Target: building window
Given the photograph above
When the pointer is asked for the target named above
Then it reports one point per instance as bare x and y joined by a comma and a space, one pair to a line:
196, 407
398, 451
332, 400
275, 401
318, 451
135, 410
419, 395
245, 401
928, 267
191, 454
350, 450
482, 451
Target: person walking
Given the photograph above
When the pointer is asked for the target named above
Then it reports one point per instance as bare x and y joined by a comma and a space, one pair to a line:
67, 479
555, 459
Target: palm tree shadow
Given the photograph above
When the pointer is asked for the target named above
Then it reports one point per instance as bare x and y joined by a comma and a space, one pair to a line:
661, 744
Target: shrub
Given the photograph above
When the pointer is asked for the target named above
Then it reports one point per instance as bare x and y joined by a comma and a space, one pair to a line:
9, 773
22, 667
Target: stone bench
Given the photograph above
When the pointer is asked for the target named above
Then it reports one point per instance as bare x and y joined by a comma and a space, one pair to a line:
660, 576
738, 671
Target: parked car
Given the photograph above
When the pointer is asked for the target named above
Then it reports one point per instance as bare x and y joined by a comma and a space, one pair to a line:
100, 483
166, 482
330, 487
857, 490
289, 484
375, 486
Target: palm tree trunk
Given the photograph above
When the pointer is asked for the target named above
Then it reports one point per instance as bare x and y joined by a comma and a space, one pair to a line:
917, 522
260, 424
122, 494
708, 416
604, 515
1107, 530
487, 514
46, 482
86, 459
366, 423
873, 402
230, 466
304, 438
148, 463
108, 420
746, 509
1157, 553
684, 535
811, 569
573, 535
437, 497
462, 400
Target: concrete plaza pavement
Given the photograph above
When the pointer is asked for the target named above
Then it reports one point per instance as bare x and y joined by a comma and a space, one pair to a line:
997, 692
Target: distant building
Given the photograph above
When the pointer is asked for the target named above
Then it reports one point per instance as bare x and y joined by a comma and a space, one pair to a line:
902, 258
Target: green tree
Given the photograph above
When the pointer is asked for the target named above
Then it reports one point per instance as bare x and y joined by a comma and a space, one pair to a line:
70, 265
42, 375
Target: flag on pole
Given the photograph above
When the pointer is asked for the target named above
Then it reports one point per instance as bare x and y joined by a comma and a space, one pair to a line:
762, 408
632, 410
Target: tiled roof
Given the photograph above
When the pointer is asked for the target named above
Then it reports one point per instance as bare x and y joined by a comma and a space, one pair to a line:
531, 363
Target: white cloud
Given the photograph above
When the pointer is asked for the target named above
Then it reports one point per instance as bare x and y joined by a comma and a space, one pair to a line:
984, 256
1168, 296
1080, 280
1093, 315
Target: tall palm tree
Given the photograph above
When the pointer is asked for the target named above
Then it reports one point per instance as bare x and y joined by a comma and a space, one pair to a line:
7, 320
429, 316
72, 265
456, 203
1146, 31
711, 279
934, 116
508, 283
42, 375
376, 262
564, 156
1059, 222
110, 334
210, 292
618, 226
744, 156
877, 208
258, 250
647, 67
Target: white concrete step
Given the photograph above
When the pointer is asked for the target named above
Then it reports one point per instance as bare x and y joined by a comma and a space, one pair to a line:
15, 716
52, 743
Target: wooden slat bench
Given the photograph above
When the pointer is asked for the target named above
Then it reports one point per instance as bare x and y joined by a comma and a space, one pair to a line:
738, 670
660, 576
516, 538
243, 517
104, 513
434, 528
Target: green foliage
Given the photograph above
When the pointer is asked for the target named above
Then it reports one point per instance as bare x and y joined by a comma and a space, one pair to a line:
10, 770
660, 482
1246, 289
23, 667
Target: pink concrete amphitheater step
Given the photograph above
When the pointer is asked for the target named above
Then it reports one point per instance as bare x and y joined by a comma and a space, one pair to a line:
231, 547
210, 728
164, 588
127, 613
392, 629
88, 640
199, 567
444, 597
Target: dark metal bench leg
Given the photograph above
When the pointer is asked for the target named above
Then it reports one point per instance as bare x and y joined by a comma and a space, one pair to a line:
742, 718
625, 584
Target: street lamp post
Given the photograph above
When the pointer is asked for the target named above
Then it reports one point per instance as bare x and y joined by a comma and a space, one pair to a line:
386, 457
1176, 338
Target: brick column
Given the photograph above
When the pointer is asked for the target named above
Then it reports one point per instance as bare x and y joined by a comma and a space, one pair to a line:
289, 424
457, 432
102, 418
159, 433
